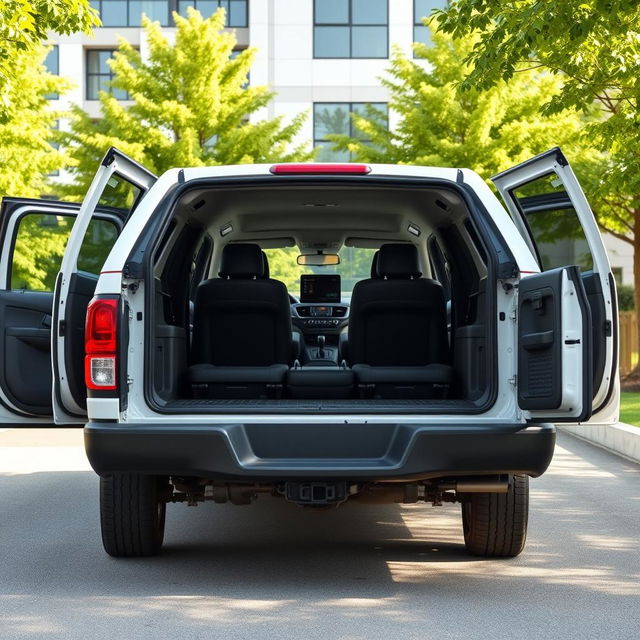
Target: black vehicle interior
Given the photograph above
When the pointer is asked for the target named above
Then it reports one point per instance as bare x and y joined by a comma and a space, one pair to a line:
229, 337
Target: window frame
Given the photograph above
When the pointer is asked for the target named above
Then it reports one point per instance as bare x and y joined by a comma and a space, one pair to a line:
350, 26
317, 141
126, 21
228, 24
88, 74
113, 219
172, 5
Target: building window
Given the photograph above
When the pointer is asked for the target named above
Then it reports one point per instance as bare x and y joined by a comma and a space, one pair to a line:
350, 29
335, 117
52, 63
128, 13
236, 10
423, 9
99, 74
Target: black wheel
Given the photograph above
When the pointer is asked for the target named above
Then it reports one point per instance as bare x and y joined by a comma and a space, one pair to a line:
132, 514
495, 524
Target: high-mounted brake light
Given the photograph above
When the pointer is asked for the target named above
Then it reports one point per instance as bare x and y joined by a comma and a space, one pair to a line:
319, 168
101, 344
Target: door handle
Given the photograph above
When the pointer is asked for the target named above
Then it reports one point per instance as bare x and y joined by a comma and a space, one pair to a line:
538, 340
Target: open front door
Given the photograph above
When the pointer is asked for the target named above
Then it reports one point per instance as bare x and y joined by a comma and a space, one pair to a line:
120, 184
552, 213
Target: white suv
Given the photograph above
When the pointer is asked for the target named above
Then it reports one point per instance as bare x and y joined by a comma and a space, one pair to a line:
428, 365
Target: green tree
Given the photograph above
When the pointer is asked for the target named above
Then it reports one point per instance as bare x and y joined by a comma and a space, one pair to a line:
24, 25
26, 134
592, 48
486, 130
191, 105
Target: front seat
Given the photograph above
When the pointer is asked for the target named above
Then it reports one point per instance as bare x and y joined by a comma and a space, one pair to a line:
398, 342
241, 329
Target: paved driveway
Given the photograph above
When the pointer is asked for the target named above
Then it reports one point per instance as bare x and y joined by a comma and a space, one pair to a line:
272, 570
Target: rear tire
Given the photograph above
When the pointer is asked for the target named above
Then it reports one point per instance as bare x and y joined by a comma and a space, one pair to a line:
495, 524
132, 514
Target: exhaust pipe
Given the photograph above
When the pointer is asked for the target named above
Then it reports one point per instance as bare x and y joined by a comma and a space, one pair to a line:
490, 484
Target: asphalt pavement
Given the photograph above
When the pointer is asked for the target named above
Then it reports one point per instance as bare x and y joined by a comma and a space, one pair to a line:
273, 570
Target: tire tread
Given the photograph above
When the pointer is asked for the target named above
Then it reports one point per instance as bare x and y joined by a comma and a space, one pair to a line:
130, 524
495, 524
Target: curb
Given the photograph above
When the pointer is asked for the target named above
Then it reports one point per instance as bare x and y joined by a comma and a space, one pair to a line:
621, 439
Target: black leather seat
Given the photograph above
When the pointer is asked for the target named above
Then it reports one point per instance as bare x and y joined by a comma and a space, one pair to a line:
398, 343
242, 342
374, 265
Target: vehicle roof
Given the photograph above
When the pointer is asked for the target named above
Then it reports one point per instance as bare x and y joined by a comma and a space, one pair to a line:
444, 173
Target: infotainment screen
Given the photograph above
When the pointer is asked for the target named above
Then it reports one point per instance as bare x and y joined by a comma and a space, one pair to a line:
316, 288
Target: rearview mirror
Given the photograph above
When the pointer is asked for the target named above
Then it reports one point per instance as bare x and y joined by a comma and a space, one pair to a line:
318, 259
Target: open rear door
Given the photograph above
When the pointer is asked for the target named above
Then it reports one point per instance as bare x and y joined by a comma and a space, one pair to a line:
120, 183
552, 213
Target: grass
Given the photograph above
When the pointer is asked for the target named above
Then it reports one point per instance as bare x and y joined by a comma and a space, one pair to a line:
630, 408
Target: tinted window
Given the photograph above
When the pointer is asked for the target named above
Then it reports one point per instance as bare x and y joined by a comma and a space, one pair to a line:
553, 223
422, 9
123, 13
40, 243
236, 10
351, 29
96, 245
99, 74
332, 11
119, 193
335, 117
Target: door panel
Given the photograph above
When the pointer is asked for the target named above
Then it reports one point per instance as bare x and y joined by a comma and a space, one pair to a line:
25, 367
554, 346
551, 211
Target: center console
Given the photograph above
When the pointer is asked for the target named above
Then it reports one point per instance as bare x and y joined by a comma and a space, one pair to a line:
321, 318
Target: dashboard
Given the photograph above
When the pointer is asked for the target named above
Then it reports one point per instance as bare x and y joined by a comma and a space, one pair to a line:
320, 316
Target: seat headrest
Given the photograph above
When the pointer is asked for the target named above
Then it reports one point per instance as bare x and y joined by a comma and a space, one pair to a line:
398, 261
241, 261
265, 266
374, 265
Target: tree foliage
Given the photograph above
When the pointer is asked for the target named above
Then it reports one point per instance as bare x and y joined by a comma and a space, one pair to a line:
190, 105
26, 134
486, 130
24, 25
592, 47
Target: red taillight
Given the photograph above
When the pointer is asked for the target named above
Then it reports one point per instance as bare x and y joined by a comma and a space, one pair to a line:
316, 168
101, 344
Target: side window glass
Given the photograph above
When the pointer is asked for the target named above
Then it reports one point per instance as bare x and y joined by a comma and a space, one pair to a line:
439, 266
38, 250
553, 223
120, 193
40, 243
98, 241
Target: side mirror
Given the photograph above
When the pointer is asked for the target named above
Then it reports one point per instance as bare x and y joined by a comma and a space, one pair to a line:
318, 259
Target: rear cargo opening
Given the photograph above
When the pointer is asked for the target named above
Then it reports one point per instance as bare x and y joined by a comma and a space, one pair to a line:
391, 342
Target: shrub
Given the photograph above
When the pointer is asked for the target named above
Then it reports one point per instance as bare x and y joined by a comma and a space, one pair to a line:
625, 298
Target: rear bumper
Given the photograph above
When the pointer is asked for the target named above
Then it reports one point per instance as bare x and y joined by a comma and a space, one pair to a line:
269, 452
